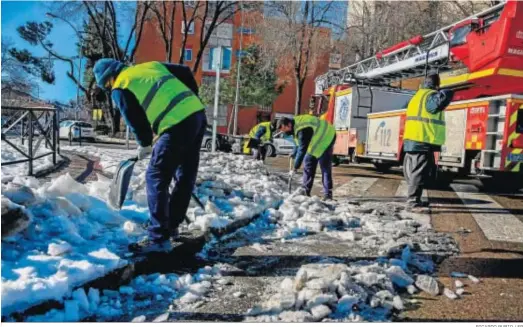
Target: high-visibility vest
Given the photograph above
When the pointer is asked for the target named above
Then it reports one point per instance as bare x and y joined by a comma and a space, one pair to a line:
265, 137
166, 100
323, 135
421, 125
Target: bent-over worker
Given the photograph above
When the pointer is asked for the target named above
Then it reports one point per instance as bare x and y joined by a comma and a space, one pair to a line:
160, 99
314, 139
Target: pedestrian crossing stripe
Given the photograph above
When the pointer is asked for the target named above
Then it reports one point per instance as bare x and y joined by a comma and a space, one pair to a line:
496, 222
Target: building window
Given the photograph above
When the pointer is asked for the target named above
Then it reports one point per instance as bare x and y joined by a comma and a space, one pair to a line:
187, 55
226, 59
190, 31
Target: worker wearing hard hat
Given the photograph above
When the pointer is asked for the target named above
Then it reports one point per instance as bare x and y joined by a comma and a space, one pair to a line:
424, 134
160, 99
314, 144
258, 135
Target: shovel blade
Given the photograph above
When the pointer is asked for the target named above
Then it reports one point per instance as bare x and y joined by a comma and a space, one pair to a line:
120, 183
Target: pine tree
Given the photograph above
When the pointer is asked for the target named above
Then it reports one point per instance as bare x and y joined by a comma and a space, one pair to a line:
259, 83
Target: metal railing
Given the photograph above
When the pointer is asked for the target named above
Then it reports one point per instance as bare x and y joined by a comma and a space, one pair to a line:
27, 123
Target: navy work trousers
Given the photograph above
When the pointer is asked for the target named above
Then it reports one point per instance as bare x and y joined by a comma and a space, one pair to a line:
310, 164
176, 155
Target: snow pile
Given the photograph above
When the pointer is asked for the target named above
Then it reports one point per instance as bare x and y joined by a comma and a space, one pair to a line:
10, 154
360, 291
145, 291
384, 228
75, 237
325, 292
231, 187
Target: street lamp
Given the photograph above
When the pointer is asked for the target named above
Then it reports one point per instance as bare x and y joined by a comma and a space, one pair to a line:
217, 64
79, 35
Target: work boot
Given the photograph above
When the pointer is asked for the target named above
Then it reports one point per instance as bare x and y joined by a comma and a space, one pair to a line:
148, 245
327, 197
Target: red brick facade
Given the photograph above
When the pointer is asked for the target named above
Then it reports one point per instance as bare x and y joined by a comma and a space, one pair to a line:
152, 47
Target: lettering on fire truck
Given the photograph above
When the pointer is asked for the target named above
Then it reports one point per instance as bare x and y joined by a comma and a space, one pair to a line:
519, 34
477, 110
518, 52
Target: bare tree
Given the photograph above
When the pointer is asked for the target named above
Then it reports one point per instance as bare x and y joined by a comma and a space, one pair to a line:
375, 25
204, 17
96, 25
164, 13
210, 16
295, 33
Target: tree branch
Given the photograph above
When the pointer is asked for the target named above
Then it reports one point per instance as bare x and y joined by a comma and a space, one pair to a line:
140, 30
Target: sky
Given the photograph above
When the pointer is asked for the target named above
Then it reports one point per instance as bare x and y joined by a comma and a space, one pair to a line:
16, 13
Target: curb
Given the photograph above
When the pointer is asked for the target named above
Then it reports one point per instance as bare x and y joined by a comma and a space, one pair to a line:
141, 265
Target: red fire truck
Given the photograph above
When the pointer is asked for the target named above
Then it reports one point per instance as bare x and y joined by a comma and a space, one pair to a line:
480, 58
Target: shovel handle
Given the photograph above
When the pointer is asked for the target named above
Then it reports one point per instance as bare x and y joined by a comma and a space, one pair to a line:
197, 200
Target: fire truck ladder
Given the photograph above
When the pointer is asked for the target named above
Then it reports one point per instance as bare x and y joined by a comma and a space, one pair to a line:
369, 99
406, 62
491, 156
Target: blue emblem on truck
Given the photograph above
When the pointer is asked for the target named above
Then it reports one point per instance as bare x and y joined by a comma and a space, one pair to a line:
343, 113
515, 157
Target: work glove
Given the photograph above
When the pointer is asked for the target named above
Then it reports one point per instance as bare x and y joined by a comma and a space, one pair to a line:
143, 151
292, 173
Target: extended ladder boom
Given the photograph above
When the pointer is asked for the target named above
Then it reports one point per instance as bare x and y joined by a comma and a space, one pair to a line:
406, 61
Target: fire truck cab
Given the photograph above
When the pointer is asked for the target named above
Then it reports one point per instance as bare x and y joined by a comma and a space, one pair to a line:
480, 58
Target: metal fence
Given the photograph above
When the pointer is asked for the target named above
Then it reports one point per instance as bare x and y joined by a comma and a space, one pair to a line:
31, 124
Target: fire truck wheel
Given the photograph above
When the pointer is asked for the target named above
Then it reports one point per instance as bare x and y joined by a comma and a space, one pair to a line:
510, 183
442, 179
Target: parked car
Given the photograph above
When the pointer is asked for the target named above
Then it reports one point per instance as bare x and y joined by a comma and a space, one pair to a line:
280, 145
70, 129
222, 141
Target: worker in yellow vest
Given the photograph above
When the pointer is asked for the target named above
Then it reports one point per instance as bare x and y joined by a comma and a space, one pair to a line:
258, 135
161, 100
314, 143
424, 134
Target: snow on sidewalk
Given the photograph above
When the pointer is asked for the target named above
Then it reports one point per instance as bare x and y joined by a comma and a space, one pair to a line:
75, 237
10, 154
367, 290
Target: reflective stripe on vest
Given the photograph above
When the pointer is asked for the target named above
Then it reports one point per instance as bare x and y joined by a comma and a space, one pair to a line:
266, 136
323, 133
165, 99
421, 125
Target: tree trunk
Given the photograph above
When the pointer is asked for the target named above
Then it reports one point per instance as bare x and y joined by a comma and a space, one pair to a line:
299, 90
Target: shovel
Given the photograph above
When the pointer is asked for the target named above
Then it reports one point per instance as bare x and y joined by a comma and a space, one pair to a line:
122, 179
120, 183
290, 177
